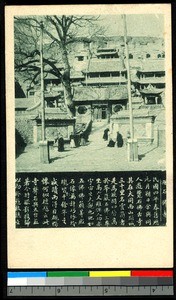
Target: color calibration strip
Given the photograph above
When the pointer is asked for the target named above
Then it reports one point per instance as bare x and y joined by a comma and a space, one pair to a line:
93, 278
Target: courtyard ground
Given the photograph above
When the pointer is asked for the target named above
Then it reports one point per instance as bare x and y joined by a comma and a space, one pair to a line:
95, 156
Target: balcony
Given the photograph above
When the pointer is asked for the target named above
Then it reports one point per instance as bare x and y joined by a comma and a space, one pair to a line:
105, 80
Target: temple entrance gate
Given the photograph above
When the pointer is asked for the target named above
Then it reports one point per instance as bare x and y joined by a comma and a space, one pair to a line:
100, 112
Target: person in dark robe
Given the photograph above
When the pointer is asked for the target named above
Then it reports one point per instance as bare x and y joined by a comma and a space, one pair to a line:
77, 140
111, 143
119, 140
60, 143
105, 135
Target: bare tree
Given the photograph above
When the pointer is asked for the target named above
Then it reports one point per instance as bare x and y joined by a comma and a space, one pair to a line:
60, 32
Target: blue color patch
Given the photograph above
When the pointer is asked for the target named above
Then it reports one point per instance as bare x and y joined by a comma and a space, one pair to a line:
26, 274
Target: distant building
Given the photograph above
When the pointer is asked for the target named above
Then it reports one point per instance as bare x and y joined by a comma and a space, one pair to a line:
151, 95
103, 89
107, 53
152, 72
98, 103
94, 64
103, 72
98, 77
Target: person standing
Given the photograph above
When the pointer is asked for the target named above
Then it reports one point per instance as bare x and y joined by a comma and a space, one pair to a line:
119, 140
105, 135
60, 142
111, 143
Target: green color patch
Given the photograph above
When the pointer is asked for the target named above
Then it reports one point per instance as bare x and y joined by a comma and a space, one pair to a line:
68, 274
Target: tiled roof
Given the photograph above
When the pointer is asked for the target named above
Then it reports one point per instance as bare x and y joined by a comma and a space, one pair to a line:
101, 94
151, 90
152, 65
56, 113
23, 103
112, 65
135, 63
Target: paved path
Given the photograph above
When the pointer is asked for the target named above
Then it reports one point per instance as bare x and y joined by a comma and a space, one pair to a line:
95, 156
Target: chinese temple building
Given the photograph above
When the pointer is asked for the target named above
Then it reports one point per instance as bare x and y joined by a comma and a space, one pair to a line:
57, 119
103, 89
53, 98
98, 103
54, 83
152, 72
107, 53
151, 95
103, 72
98, 78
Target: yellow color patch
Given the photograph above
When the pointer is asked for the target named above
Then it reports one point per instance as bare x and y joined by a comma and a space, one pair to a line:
109, 273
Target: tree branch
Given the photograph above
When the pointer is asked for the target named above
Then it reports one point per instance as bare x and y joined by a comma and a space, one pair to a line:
56, 27
51, 36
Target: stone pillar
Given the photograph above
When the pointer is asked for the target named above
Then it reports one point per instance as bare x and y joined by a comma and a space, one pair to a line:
44, 152
132, 150
35, 133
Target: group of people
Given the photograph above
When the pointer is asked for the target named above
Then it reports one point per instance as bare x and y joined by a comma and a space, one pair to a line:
81, 139
112, 141
76, 140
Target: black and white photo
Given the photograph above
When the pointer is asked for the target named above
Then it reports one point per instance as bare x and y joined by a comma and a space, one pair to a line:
89, 136
77, 76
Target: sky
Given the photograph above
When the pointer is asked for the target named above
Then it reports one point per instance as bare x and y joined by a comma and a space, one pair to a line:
137, 25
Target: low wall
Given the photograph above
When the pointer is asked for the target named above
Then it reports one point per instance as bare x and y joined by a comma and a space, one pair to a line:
24, 126
53, 127
143, 127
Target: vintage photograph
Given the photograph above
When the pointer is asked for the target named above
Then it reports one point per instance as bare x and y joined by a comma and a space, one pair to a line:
89, 136
89, 92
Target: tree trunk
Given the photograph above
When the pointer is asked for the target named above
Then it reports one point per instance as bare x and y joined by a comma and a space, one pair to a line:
66, 83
